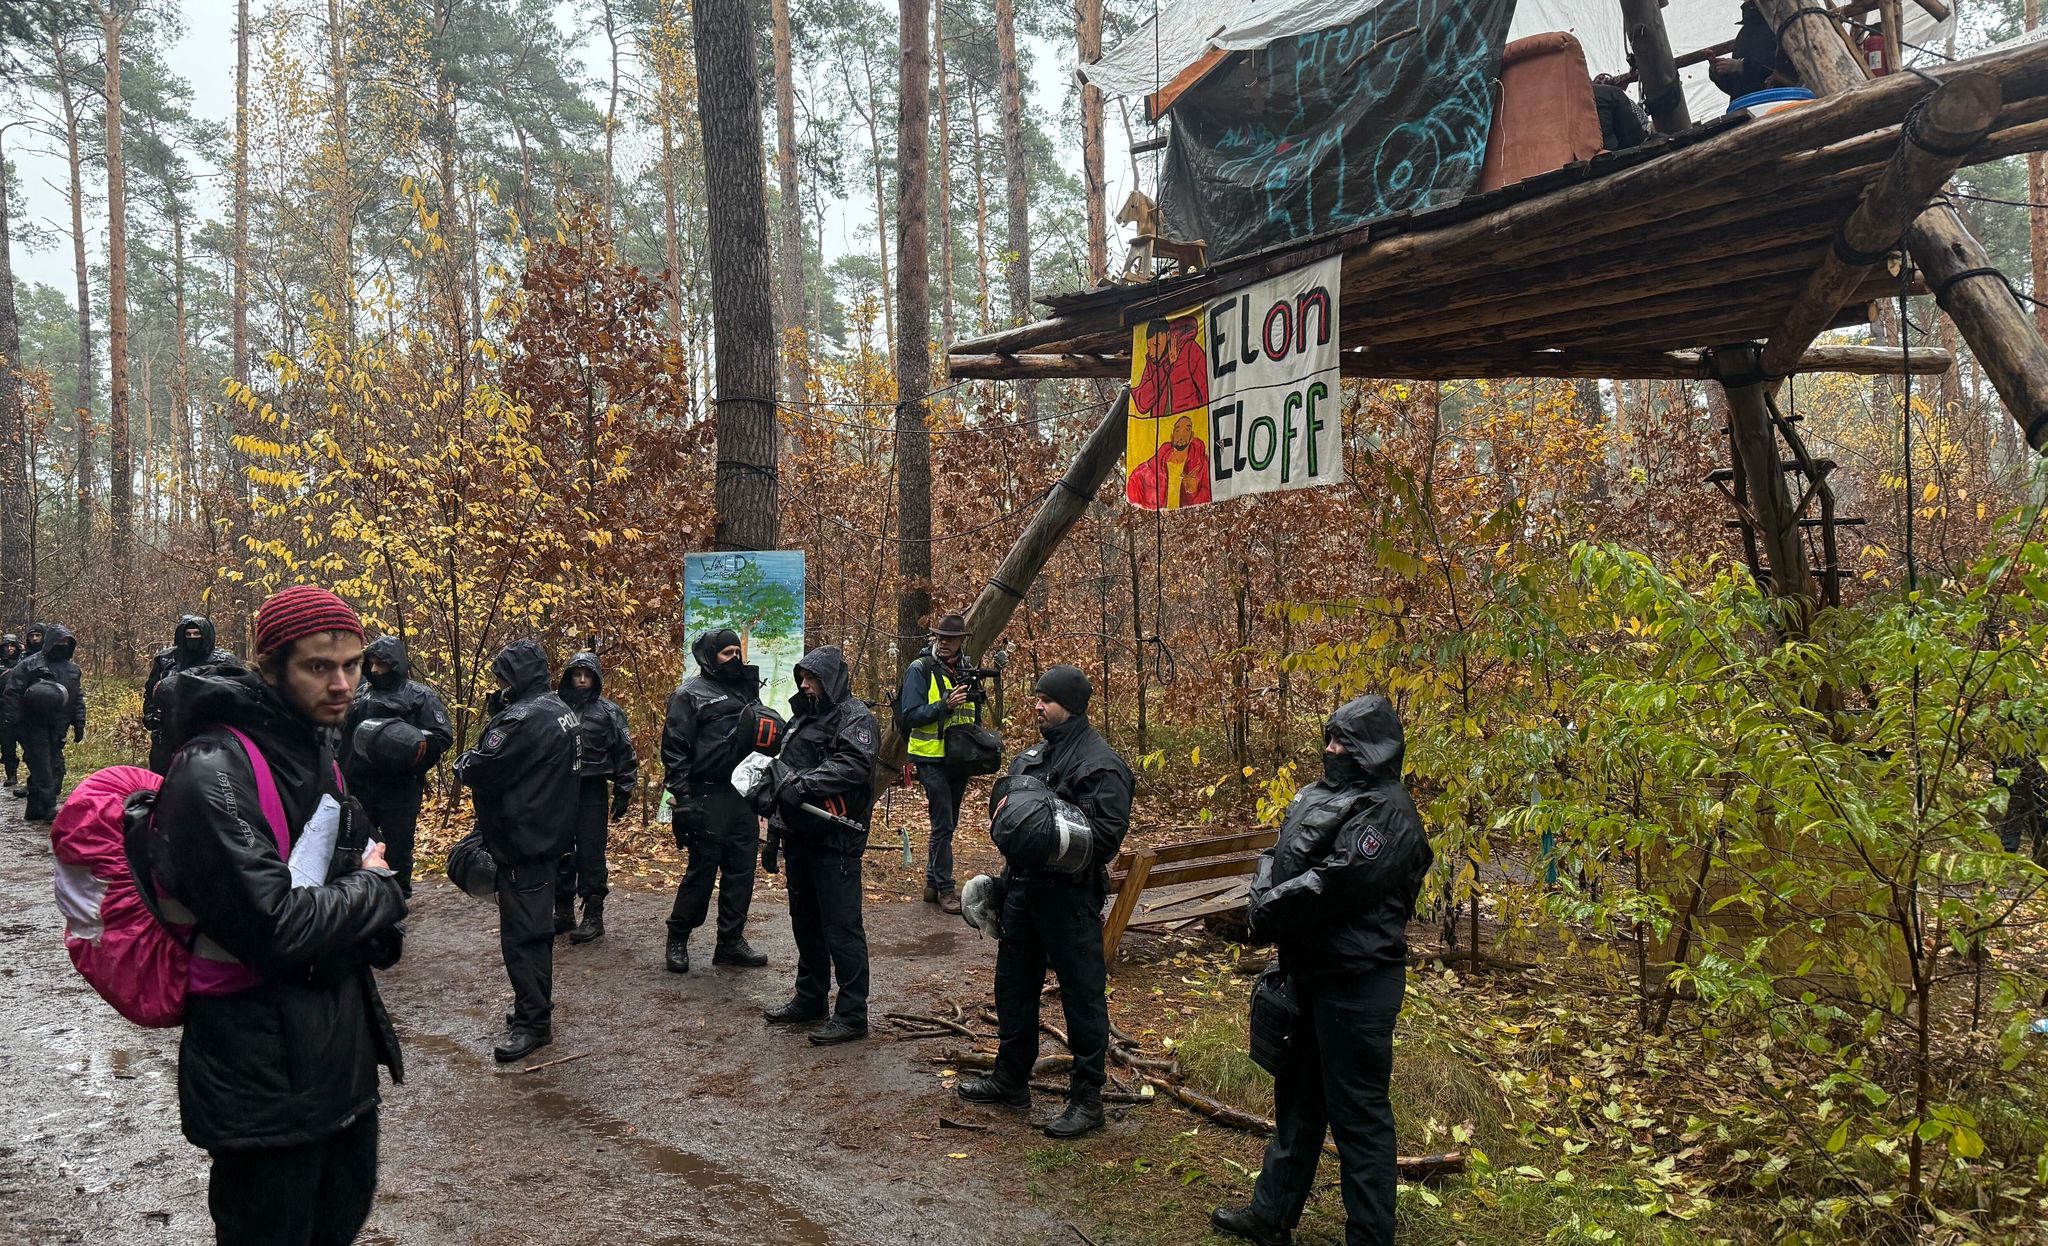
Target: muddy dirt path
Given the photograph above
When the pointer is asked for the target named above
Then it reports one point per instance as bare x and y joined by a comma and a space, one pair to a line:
688, 1123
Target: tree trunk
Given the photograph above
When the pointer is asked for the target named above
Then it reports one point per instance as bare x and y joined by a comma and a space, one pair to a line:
1093, 185
945, 179
2037, 195
451, 206
736, 227
611, 111
1018, 255
120, 461
913, 306
874, 118
181, 376
340, 246
986, 321
796, 383
15, 535
82, 398
238, 332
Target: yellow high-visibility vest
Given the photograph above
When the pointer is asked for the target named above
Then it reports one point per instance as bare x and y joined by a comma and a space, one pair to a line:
929, 741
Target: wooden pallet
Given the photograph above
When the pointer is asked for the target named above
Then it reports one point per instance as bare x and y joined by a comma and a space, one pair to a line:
1140, 870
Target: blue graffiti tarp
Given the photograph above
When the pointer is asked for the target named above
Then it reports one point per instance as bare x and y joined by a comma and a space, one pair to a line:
1312, 132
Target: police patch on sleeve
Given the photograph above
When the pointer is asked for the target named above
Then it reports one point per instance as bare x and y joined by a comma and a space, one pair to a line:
1370, 846
494, 738
866, 736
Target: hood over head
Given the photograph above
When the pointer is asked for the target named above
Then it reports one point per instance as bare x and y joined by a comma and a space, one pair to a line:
829, 665
193, 650
706, 647
59, 643
10, 645
389, 650
522, 667
232, 693
1369, 728
33, 638
584, 661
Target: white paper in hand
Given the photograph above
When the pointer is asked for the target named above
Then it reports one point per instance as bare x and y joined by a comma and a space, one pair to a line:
313, 851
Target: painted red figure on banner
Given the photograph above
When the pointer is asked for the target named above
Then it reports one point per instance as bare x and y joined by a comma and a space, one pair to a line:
1176, 375
1176, 476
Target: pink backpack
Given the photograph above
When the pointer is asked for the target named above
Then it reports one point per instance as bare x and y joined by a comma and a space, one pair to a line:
136, 946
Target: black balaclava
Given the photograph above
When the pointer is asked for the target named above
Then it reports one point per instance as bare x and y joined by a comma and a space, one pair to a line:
1341, 769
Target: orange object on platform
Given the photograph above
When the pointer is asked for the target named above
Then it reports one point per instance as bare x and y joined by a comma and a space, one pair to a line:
1546, 118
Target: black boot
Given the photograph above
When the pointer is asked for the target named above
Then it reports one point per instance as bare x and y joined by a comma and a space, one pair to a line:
593, 921
679, 953
518, 1044
740, 953
1083, 1115
793, 1013
565, 915
836, 1031
996, 1089
1245, 1223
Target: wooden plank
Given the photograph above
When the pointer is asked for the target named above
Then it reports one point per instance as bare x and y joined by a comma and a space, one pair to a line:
1217, 845
1938, 134
1126, 904
1200, 871
1235, 903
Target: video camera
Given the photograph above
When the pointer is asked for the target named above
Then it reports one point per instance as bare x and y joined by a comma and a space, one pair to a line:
975, 677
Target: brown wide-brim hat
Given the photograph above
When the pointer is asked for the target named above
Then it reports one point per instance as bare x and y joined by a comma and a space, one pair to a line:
950, 625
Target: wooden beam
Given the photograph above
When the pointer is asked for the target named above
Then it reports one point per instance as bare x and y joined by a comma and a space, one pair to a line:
1998, 330
1056, 515
1569, 365
1649, 47
1938, 134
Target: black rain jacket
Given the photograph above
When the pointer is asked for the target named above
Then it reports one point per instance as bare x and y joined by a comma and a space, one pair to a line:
523, 768
830, 752
396, 695
1082, 769
1335, 892
702, 735
295, 1058
178, 656
607, 741
52, 661
10, 652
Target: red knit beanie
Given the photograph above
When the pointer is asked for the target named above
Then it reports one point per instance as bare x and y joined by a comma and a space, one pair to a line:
302, 611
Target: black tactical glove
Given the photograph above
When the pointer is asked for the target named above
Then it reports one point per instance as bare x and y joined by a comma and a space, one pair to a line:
622, 800
78, 733
771, 853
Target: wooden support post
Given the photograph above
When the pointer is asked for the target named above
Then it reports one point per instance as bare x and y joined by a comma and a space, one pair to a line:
1937, 135
1974, 294
1126, 903
1650, 48
1739, 371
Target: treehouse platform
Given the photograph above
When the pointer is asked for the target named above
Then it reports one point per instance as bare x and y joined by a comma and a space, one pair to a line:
1761, 230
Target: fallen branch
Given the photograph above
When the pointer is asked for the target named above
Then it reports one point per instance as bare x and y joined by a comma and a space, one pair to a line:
935, 1023
535, 1068
1484, 960
1108, 1096
1413, 1167
947, 1122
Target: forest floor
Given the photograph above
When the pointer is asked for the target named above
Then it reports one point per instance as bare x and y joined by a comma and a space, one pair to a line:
682, 1119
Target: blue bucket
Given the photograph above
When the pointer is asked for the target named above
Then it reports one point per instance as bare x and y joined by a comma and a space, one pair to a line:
1761, 102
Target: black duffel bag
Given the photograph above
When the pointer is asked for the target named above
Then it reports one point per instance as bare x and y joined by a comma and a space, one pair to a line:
1275, 1013
973, 748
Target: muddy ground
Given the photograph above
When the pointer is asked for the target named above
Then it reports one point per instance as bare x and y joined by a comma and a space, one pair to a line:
686, 1121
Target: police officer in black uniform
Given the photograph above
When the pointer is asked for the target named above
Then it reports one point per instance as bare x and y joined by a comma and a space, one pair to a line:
1335, 893
523, 774
608, 774
391, 791
191, 646
42, 695
830, 761
702, 740
1055, 919
10, 653
32, 645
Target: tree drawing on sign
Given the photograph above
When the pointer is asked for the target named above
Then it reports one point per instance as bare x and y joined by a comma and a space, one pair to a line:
737, 592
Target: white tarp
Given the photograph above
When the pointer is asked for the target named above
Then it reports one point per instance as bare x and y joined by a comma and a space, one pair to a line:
1189, 28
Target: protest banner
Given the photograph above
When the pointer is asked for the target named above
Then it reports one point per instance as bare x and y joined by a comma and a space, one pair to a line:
1238, 395
760, 595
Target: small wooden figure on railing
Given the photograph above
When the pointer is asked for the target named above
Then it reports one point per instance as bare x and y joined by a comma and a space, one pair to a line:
1151, 247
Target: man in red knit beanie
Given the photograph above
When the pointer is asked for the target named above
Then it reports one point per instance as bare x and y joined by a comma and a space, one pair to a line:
284, 1030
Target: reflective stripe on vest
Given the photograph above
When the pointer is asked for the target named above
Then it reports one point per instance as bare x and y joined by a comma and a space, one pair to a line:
930, 740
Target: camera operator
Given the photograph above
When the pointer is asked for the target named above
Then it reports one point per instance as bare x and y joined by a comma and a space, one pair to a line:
939, 692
